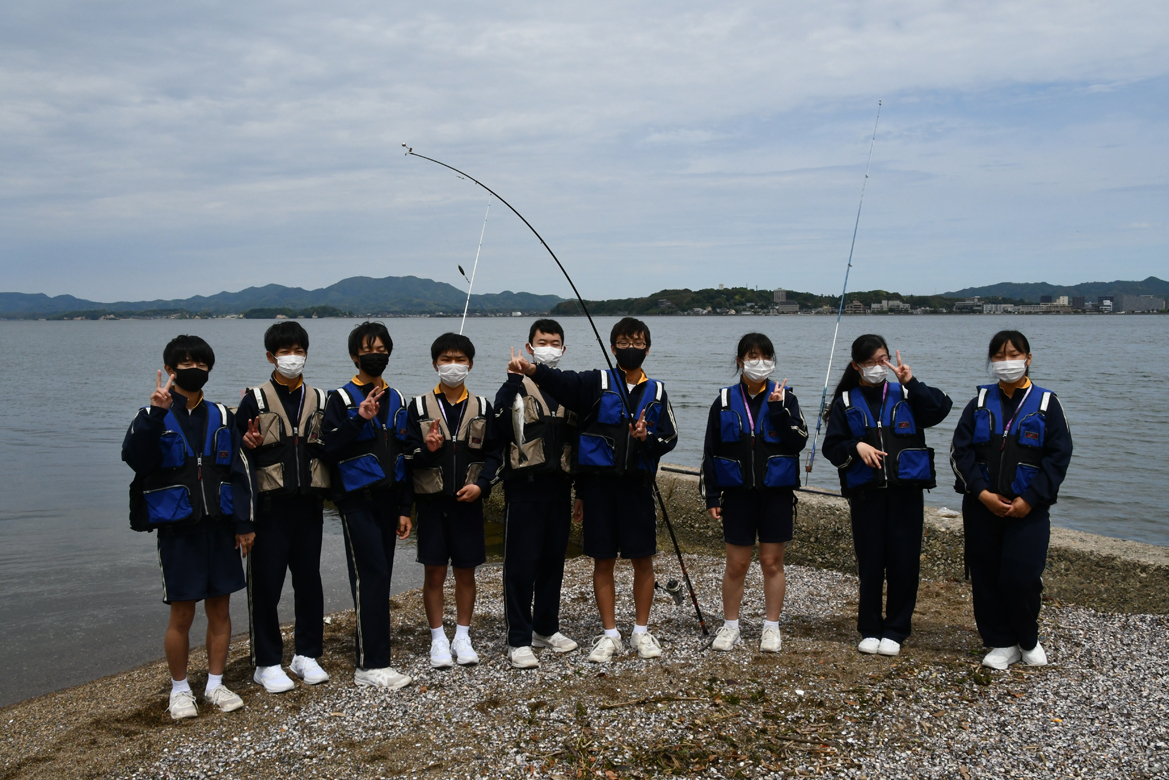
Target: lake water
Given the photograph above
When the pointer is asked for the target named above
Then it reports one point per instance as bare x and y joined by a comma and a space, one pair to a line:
80, 592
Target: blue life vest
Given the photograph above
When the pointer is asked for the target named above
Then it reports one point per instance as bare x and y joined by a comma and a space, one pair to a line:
752, 458
1010, 462
907, 461
606, 445
189, 484
374, 459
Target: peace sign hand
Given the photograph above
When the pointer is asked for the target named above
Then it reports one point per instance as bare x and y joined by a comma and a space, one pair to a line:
640, 430
161, 396
434, 437
520, 365
778, 394
903, 372
253, 438
369, 407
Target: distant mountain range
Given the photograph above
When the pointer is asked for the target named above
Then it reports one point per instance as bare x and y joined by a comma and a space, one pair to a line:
358, 295
1030, 291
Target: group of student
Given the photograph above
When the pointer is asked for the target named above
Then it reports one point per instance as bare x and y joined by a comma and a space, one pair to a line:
222, 487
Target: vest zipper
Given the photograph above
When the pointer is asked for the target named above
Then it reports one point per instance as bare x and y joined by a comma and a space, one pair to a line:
296, 453
202, 484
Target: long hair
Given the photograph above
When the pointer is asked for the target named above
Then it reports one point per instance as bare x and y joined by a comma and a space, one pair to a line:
862, 349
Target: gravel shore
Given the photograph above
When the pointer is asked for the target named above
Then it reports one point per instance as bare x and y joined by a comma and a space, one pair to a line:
818, 708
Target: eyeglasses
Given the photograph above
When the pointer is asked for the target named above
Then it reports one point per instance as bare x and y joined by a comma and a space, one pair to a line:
628, 344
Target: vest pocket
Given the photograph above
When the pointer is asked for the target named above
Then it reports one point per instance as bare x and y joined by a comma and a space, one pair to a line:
1031, 430
174, 453
981, 426
566, 459
729, 426
270, 478
916, 465
168, 504
728, 472
611, 410
313, 435
427, 481
476, 431
1023, 476
362, 471
223, 447
858, 474
532, 455
782, 471
318, 473
269, 425
595, 450
400, 469
473, 472
226, 505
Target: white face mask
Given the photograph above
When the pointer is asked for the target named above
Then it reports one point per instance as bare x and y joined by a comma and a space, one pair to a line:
290, 366
758, 370
547, 356
453, 374
874, 375
1009, 371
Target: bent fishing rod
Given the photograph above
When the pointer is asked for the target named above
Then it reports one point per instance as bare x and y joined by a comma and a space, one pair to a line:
624, 400
840, 308
474, 268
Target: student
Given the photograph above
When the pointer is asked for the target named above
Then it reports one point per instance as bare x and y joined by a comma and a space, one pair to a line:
191, 485
537, 490
450, 441
615, 463
876, 438
364, 435
1010, 454
280, 422
750, 469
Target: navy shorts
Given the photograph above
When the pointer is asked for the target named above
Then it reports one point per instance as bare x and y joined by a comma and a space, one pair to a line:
451, 532
768, 514
619, 517
200, 564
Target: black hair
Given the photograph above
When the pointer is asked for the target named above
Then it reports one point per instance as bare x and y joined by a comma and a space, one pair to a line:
452, 342
366, 333
190, 348
862, 349
546, 326
629, 327
285, 335
1012, 337
757, 341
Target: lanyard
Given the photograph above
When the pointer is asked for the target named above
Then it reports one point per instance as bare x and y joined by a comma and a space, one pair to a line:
747, 406
459, 423
1010, 422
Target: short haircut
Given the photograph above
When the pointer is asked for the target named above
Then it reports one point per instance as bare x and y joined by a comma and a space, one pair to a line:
756, 341
546, 326
1003, 337
629, 327
285, 335
190, 348
366, 333
452, 342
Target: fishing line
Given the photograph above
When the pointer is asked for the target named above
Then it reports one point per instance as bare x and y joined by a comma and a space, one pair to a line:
840, 309
471, 281
661, 503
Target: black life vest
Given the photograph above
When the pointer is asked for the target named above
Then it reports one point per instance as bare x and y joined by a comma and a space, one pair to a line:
747, 457
605, 442
190, 484
462, 454
1009, 462
908, 460
277, 459
549, 438
374, 460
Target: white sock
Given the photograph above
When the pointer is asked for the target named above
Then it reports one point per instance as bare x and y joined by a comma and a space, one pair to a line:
774, 624
179, 685
731, 624
612, 633
437, 633
213, 682
462, 631
640, 629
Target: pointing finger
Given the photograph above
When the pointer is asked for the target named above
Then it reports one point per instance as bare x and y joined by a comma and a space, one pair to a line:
158, 382
898, 358
170, 381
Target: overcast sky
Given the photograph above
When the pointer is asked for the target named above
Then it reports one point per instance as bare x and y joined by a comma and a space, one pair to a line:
160, 150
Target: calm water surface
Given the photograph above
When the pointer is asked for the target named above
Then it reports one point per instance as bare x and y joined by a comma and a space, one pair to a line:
80, 593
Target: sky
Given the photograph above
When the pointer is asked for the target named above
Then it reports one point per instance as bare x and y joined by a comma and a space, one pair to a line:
162, 150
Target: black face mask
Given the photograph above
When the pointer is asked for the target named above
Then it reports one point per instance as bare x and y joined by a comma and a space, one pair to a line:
631, 358
373, 363
191, 379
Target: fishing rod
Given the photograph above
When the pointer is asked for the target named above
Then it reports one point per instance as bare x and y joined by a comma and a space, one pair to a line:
471, 281
840, 308
584, 308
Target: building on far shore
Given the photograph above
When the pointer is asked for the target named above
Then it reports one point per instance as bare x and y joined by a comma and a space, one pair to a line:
897, 306
781, 305
855, 307
1133, 303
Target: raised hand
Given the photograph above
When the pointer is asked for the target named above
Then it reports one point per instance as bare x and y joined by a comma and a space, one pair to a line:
369, 407
870, 454
903, 372
520, 365
777, 395
161, 396
640, 430
253, 438
434, 437
468, 493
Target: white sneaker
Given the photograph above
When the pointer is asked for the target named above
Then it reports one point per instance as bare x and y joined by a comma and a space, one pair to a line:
224, 699
1034, 656
725, 638
1002, 657
273, 679
557, 642
464, 652
440, 653
888, 647
771, 642
605, 648
869, 645
182, 705
385, 677
646, 645
308, 670
522, 658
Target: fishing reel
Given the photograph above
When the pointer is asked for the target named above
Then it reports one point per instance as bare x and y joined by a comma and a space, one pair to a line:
673, 588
